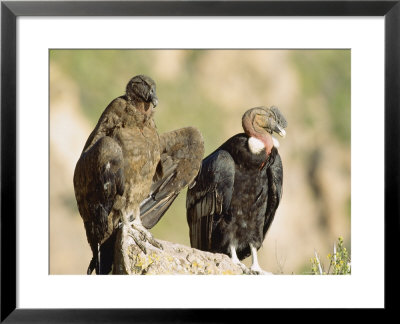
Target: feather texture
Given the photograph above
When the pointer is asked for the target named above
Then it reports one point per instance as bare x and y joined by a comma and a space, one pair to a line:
237, 191
127, 168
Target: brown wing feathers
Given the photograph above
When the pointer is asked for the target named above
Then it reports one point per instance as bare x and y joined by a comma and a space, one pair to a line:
181, 154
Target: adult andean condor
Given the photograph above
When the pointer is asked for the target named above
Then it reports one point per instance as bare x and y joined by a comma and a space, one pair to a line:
238, 189
128, 175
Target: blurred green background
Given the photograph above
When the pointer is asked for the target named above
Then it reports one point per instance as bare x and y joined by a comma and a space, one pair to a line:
211, 89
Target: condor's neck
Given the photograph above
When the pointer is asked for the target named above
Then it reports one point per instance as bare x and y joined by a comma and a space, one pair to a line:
259, 142
138, 115
238, 147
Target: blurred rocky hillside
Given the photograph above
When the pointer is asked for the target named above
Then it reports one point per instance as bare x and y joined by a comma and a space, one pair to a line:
211, 89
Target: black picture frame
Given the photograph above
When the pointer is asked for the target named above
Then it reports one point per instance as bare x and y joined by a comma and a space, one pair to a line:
10, 10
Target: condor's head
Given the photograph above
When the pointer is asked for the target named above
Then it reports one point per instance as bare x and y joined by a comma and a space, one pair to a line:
260, 124
141, 92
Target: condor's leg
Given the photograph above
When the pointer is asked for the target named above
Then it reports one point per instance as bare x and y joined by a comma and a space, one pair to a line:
236, 260
182, 151
145, 234
132, 226
255, 267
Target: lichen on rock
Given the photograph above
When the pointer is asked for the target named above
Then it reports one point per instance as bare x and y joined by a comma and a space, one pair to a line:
173, 259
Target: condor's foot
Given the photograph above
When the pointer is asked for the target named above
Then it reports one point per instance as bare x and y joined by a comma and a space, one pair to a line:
137, 232
241, 265
255, 267
141, 235
236, 260
256, 270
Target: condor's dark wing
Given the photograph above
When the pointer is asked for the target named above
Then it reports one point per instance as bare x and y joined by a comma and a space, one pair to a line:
98, 179
209, 198
181, 154
275, 177
161, 196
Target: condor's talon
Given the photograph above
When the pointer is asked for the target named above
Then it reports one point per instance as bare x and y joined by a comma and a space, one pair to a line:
140, 234
138, 238
259, 271
242, 266
155, 243
146, 235
139, 244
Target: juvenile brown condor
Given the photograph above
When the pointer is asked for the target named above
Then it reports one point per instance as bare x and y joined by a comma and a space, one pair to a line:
238, 189
128, 175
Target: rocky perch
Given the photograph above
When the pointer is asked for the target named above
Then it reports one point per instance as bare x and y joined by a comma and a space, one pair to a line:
172, 259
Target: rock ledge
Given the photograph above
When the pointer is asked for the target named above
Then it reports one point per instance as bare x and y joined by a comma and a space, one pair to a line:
172, 259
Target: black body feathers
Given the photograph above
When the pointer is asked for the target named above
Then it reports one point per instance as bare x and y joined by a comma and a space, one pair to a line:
235, 198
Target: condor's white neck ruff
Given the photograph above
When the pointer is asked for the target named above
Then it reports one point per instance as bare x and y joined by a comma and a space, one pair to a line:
256, 146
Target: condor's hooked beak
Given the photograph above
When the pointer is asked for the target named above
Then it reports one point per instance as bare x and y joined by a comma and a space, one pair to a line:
275, 121
279, 130
154, 101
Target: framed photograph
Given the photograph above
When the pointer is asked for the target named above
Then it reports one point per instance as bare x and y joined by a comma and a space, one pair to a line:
331, 68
